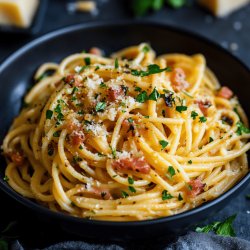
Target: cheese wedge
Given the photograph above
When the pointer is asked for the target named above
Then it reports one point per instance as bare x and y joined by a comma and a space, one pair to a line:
18, 13
222, 8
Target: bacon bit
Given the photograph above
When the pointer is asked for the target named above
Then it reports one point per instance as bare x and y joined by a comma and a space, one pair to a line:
225, 92
71, 127
77, 137
96, 51
204, 105
100, 193
114, 93
16, 157
134, 164
76, 134
178, 80
196, 187
72, 80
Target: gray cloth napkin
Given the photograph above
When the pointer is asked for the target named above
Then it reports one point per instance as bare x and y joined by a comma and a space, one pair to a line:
190, 241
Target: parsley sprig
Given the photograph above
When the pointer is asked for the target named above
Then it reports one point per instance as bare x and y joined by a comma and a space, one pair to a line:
224, 228
151, 69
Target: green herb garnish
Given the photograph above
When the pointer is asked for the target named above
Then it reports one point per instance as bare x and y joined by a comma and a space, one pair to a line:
132, 189
202, 119
152, 69
124, 194
116, 63
130, 180
180, 197
166, 195
49, 114
142, 97
138, 89
190, 162
171, 171
224, 228
145, 49
100, 106
241, 129
181, 108
194, 115
154, 95
6, 178
87, 60
210, 139
163, 144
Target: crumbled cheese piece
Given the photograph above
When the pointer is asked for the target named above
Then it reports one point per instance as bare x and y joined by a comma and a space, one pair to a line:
223, 7
19, 13
96, 129
129, 101
123, 154
94, 82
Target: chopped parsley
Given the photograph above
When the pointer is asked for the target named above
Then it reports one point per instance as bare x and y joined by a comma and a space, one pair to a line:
6, 178
130, 180
49, 114
180, 198
176, 4
140, 7
154, 95
103, 85
210, 139
113, 151
181, 108
165, 195
146, 116
100, 106
202, 119
145, 49
97, 67
75, 89
80, 147
116, 63
142, 97
130, 120
171, 171
163, 144
190, 162
138, 89
224, 228
57, 133
124, 194
194, 115
87, 60
132, 189
241, 129
152, 69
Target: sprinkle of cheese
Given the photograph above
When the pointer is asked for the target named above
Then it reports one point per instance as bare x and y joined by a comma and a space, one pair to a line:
18, 13
223, 7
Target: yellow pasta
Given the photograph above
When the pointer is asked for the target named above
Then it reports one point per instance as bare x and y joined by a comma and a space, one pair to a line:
128, 137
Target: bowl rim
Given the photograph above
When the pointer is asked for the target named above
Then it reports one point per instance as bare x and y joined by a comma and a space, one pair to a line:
69, 218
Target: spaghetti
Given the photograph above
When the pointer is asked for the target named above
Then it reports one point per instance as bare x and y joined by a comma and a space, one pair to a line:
130, 137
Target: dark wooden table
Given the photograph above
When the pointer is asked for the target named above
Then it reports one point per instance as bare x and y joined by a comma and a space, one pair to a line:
232, 32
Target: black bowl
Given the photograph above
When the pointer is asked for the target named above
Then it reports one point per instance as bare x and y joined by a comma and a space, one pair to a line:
16, 74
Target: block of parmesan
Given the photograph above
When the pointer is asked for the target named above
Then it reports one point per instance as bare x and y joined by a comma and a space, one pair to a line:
18, 13
222, 8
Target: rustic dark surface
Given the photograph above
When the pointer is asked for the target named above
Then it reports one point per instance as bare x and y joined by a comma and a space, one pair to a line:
232, 32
